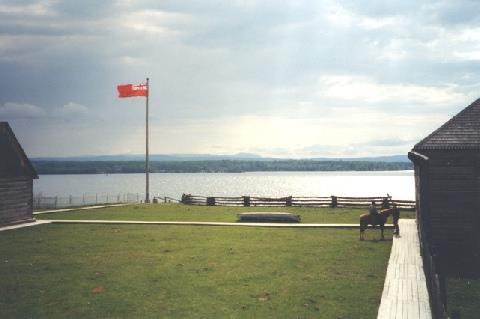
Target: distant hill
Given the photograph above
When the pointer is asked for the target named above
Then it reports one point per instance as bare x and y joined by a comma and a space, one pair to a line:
388, 159
154, 157
213, 166
196, 163
210, 157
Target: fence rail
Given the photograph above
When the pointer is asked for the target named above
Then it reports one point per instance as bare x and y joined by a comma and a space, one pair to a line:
53, 202
165, 199
296, 201
48, 202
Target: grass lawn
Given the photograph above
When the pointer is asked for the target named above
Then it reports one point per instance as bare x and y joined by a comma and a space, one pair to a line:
463, 297
180, 212
463, 284
131, 271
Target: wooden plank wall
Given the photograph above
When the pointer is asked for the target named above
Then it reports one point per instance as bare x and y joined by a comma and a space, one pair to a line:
453, 195
16, 199
435, 281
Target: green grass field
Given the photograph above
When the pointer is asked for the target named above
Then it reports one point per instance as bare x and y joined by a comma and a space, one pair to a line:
463, 295
463, 284
131, 271
179, 212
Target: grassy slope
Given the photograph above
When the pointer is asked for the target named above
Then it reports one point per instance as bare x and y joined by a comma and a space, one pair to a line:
51, 271
179, 212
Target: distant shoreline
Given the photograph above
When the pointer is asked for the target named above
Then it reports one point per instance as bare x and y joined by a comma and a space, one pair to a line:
213, 166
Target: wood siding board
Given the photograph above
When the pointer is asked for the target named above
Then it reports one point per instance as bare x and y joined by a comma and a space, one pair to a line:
16, 199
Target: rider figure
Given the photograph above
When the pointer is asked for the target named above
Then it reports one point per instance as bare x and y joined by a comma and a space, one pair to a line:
373, 211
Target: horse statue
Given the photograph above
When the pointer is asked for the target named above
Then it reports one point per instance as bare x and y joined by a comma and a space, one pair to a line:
380, 219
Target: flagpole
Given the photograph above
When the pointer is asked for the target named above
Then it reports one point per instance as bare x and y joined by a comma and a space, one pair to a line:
147, 186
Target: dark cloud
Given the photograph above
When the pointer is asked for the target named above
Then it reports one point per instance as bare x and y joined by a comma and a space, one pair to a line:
212, 59
84, 10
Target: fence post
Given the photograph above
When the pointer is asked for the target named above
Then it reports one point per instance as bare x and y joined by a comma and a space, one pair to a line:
56, 201
288, 201
39, 197
96, 198
385, 203
246, 201
70, 200
107, 198
210, 201
137, 198
83, 199
165, 199
334, 201
186, 199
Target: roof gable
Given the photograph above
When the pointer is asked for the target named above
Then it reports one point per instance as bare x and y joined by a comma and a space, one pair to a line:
13, 160
460, 132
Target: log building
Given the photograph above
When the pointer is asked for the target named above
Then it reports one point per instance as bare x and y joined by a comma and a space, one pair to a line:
447, 181
16, 180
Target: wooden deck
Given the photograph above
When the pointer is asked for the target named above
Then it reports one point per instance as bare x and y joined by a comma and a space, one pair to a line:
405, 293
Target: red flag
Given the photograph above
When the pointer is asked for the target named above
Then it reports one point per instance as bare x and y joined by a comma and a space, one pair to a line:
128, 90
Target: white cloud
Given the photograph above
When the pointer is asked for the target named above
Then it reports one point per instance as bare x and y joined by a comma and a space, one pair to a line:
378, 23
153, 21
15, 111
72, 110
131, 60
12, 111
344, 131
339, 16
469, 55
42, 8
364, 90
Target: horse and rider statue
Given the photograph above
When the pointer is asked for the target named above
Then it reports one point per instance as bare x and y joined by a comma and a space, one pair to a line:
379, 218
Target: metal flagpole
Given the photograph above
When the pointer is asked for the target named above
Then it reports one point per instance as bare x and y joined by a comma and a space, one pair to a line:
147, 186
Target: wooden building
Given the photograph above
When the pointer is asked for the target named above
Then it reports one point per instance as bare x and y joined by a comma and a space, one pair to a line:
447, 181
16, 180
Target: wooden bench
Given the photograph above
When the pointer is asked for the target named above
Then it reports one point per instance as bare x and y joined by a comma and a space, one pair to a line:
270, 217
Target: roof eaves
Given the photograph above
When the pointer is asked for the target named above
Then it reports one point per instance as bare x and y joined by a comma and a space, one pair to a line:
417, 157
448, 147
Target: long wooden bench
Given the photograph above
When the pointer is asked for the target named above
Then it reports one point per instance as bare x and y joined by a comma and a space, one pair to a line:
268, 217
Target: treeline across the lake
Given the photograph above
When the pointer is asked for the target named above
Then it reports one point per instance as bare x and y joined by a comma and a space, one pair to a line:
220, 166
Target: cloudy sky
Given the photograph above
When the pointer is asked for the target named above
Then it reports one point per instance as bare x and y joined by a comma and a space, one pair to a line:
275, 78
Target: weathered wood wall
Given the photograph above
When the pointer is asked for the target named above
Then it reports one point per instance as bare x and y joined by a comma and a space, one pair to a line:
16, 200
448, 188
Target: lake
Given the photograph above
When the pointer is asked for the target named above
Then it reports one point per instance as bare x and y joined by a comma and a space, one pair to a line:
399, 184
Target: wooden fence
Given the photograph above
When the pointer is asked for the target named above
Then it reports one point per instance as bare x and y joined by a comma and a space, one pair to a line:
164, 199
47, 202
297, 201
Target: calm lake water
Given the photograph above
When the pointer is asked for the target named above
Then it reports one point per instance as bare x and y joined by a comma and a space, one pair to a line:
399, 184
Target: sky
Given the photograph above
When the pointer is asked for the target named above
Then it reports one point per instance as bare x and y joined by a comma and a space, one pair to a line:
289, 79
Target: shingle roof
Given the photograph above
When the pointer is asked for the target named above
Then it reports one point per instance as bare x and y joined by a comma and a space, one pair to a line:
13, 160
461, 132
